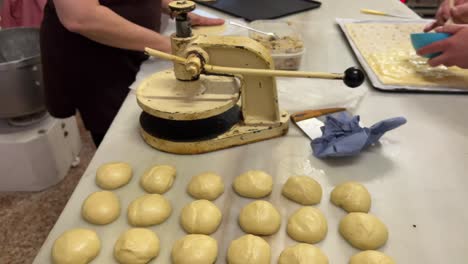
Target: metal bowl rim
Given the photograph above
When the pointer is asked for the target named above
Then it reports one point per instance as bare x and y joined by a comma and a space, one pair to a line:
29, 61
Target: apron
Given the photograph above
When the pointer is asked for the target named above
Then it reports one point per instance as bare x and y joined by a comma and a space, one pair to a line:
80, 74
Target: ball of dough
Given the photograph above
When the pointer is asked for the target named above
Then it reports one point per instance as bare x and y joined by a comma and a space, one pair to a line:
260, 218
308, 224
76, 246
158, 179
303, 254
371, 257
363, 231
208, 186
249, 249
101, 208
352, 197
303, 190
111, 176
253, 184
195, 249
136, 246
200, 217
149, 209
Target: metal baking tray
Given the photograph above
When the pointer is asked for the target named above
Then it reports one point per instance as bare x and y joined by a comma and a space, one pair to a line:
374, 79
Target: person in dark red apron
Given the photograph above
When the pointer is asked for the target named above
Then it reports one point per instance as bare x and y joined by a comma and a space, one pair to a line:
92, 50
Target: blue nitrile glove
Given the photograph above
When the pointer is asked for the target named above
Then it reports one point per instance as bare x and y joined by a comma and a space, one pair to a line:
342, 136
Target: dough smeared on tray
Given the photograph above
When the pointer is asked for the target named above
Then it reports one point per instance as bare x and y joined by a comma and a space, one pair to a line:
388, 50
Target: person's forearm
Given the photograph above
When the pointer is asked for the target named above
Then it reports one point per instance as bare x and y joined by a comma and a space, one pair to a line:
165, 6
105, 26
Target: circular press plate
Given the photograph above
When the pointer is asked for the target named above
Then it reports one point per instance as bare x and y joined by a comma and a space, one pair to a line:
162, 95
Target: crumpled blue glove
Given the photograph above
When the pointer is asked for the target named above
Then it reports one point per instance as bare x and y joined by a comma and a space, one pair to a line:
342, 136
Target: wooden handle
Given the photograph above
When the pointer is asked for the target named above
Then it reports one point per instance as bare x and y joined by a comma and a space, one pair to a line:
246, 71
266, 72
164, 55
296, 117
373, 12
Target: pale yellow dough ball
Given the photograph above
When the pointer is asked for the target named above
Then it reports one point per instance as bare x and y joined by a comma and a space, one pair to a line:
101, 208
249, 249
114, 175
136, 246
303, 254
200, 217
307, 224
195, 249
371, 257
253, 184
148, 210
158, 179
303, 190
363, 231
352, 197
76, 246
260, 218
208, 186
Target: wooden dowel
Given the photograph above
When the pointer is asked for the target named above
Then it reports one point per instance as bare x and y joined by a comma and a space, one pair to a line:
296, 117
246, 71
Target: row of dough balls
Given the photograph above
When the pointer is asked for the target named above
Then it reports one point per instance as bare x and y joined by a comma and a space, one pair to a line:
252, 184
141, 245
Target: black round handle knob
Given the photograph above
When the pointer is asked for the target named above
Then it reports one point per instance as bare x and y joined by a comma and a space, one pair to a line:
353, 77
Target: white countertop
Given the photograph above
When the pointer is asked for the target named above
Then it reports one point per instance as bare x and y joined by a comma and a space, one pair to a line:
418, 175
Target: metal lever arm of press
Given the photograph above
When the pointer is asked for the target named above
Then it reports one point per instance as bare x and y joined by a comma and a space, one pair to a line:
352, 77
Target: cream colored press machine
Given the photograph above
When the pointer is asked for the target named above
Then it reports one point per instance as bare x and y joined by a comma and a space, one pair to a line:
195, 107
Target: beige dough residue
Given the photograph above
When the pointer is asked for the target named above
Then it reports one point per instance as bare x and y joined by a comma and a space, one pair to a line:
249, 249
208, 186
200, 217
363, 231
79, 246
101, 208
148, 210
136, 246
114, 175
352, 197
209, 30
307, 224
158, 179
260, 218
303, 254
303, 190
388, 50
371, 257
195, 249
253, 184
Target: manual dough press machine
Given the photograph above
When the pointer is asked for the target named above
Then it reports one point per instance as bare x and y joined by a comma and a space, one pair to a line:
198, 107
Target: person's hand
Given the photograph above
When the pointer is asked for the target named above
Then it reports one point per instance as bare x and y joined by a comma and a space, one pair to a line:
198, 20
165, 45
459, 14
454, 49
